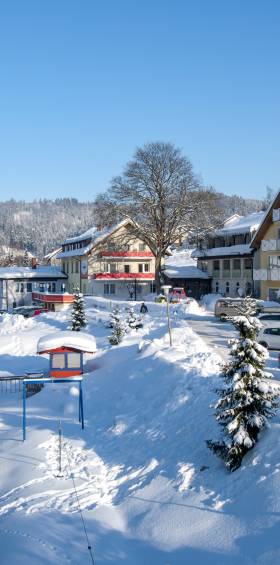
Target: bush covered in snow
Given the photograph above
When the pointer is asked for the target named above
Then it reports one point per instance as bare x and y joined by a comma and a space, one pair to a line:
249, 397
133, 321
118, 327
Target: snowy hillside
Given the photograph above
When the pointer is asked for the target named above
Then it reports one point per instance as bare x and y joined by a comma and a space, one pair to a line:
149, 489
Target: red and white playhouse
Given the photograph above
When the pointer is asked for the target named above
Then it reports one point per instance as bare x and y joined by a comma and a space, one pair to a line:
66, 350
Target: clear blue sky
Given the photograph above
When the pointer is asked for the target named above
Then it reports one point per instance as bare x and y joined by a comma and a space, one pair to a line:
83, 82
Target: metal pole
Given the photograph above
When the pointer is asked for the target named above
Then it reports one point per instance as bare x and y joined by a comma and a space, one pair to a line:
168, 320
7, 296
59, 450
135, 289
23, 411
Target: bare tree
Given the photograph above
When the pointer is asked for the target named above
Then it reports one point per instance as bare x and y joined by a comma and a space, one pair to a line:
155, 192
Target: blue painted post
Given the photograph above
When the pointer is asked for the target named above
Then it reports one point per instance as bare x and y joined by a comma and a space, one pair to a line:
82, 406
80, 401
23, 411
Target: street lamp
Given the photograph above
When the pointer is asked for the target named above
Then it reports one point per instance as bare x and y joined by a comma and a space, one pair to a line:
166, 288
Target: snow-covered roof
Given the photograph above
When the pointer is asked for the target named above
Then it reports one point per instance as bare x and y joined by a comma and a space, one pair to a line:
95, 235
47, 272
52, 254
181, 265
241, 224
76, 340
243, 249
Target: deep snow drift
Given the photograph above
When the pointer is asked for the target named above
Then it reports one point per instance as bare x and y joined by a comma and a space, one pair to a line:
150, 490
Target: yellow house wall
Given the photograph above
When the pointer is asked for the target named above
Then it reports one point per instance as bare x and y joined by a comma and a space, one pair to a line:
271, 233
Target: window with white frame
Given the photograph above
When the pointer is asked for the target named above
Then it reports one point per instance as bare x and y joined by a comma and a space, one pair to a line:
273, 261
74, 360
58, 361
109, 288
143, 267
142, 246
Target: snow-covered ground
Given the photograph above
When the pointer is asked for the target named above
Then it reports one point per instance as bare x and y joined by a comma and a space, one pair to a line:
149, 489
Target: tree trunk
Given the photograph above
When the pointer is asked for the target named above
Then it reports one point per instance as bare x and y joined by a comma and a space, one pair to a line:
158, 281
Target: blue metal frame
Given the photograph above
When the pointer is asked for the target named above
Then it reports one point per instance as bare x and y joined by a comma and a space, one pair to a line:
48, 380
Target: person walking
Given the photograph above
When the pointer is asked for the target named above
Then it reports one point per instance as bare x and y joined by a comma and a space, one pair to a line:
143, 308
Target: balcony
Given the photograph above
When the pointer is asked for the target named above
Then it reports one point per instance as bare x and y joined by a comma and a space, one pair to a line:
248, 273
123, 276
270, 245
216, 274
236, 273
126, 254
267, 274
226, 274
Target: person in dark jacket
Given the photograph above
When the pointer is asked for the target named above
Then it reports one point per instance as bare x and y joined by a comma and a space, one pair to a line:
143, 308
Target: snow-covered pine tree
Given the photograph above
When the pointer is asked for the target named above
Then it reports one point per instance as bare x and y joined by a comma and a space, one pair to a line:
248, 398
133, 321
26, 260
78, 317
117, 326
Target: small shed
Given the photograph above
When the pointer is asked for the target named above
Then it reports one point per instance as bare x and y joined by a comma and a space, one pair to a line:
66, 350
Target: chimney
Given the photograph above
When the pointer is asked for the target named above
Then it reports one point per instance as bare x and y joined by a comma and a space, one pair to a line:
34, 263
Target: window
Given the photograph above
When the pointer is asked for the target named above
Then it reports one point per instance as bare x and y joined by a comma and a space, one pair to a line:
49, 287
21, 287
112, 267
226, 265
278, 231
63, 266
217, 287
227, 287
41, 287
236, 264
109, 288
53, 287
77, 266
216, 265
58, 361
127, 268
74, 360
153, 287
17, 287
248, 264
143, 267
272, 331
273, 261
142, 246
29, 287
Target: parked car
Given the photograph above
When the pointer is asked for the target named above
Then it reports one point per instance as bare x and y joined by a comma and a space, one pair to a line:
269, 337
28, 311
270, 320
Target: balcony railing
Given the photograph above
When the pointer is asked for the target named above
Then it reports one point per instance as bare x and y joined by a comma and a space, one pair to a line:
236, 273
216, 273
226, 274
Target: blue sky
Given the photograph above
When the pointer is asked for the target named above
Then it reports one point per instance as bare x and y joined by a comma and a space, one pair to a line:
82, 83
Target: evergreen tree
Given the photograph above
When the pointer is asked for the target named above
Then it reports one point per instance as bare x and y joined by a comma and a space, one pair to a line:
248, 398
78, 317
133, 321
26, 260
117, 326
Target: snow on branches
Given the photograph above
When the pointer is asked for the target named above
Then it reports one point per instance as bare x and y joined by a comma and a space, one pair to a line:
248, 398
118, 327
78, 318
